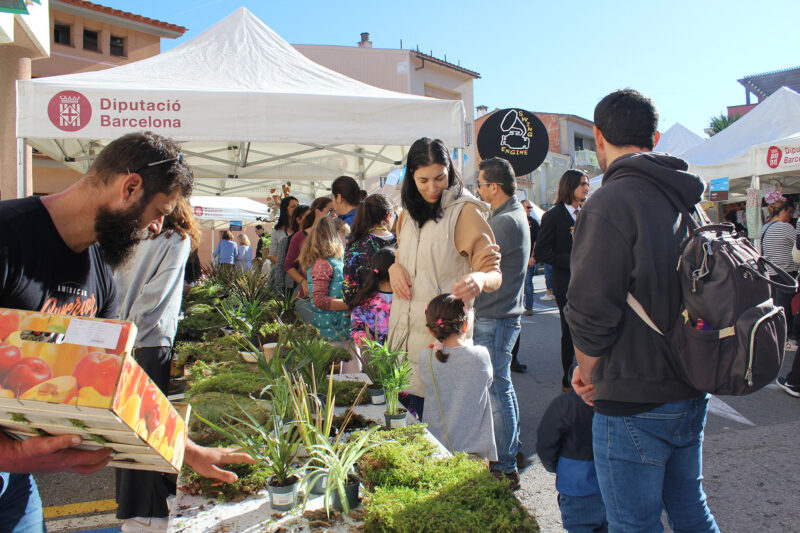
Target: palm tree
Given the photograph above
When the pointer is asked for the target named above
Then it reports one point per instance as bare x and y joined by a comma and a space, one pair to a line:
717, 124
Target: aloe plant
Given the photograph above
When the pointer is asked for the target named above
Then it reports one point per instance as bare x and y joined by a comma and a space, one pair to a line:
392, 370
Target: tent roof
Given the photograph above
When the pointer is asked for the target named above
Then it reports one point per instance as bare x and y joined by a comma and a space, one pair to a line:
677, 140
726, 153
250, 110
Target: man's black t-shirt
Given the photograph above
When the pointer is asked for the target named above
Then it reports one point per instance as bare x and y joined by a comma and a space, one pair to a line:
39, 272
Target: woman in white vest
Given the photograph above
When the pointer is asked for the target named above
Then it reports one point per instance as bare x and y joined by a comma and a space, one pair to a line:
444, 244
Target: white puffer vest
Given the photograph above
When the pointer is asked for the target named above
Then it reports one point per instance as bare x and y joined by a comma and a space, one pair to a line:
434, 265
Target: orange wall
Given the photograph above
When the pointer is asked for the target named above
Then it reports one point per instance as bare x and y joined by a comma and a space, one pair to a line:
71, 59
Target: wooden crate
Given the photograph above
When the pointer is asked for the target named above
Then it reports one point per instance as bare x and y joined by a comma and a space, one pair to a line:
87, 384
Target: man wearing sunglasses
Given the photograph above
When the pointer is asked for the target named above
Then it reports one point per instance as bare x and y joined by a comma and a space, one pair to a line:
497, 314
80, 235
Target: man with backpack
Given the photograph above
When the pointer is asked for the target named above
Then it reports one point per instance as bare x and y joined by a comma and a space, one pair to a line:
648, 424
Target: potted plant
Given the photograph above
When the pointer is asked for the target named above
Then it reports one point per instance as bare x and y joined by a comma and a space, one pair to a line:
335, 463
276, 450
369, 346
393, 371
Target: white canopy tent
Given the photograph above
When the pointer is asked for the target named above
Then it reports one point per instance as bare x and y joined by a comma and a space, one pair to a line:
677, 140
252, 113
742, 150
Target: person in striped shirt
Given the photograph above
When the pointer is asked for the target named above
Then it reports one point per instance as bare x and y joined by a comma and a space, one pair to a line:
777, 240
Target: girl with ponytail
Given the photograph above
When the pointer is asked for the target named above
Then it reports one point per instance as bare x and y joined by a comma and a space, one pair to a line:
457, 377
370, 316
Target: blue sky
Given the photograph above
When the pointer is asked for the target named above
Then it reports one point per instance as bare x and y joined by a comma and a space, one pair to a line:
547, 56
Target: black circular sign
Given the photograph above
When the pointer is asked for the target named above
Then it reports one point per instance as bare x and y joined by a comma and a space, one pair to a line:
516, 135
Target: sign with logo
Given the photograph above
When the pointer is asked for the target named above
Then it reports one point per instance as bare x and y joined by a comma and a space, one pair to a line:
236, 225
774, 157
198, 211
718, 189
517, 136
69, 111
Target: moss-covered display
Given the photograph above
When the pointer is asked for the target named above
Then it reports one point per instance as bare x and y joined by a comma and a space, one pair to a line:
218, 349
252, 479
213, 406
235, 380
346, 393
411, 491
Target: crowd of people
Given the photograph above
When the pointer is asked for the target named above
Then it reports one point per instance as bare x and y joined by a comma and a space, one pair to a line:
447, 281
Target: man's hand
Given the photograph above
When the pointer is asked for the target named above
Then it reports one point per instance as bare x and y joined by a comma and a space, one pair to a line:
400, 281
582, 389
50, 454
206, 461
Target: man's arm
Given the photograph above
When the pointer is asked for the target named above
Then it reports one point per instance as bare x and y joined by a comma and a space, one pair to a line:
582, 377
49, 454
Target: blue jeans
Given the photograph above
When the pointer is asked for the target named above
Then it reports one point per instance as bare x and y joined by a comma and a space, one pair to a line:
583, 514
498, 335
548, 277
21, 506
528, 287
651, 461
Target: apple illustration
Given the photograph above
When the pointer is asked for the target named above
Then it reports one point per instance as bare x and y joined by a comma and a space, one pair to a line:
10, 355
150, 410
98, 370
9, 323
27, 373
62, 389
169, 426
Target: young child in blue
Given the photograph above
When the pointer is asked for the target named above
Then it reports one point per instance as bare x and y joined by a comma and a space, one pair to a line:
564, 445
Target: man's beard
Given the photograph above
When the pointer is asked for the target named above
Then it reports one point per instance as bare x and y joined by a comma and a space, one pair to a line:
118, 233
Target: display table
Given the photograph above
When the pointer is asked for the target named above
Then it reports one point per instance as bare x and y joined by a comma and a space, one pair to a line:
254, 513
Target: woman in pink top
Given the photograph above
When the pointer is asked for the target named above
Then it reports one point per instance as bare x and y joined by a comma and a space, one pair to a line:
320, 207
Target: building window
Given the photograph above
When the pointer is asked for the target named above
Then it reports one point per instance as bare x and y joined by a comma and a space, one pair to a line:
578, 143
90, 41
61, 34
117, 46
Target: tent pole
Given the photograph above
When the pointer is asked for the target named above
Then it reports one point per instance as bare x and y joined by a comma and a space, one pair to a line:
22, 170
360, 167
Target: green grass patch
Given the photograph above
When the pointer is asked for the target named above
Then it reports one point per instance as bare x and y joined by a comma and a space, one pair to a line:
214, 406
346, 393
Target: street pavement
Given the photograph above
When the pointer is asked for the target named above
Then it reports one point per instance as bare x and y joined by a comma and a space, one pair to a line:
751, 469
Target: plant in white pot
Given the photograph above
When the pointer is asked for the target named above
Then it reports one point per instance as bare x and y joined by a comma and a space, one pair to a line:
393, 371
275, 449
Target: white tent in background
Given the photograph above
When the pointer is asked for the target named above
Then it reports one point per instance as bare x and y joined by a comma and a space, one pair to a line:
677, 140
743, 149
251, 111
211, 208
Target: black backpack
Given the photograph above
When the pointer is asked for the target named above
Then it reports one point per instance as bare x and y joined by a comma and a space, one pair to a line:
725, 283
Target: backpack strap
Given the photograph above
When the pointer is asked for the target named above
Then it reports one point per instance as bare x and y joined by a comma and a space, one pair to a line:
766, 229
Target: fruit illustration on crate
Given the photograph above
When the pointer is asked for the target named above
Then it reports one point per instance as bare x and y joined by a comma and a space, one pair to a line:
72, 375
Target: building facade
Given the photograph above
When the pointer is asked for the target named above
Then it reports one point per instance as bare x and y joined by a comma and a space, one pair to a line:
404, 71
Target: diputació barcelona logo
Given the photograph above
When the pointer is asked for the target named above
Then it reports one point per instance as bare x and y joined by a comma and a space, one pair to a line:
69, 110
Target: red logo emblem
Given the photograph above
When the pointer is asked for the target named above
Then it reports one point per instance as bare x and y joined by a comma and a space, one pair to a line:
198, 211
774, 157
69, 111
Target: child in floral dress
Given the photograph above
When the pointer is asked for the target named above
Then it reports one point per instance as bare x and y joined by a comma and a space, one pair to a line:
370, 316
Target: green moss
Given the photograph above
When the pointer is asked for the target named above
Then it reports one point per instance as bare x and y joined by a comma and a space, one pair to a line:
346, 393
20, 418
99, 439
252, 479
80, 424
453, 494
410, 491
214, 406
232, 381
217, 349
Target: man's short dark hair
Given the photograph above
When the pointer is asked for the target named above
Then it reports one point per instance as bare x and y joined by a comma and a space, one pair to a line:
133, 152
259, 226
498, 170
627, 118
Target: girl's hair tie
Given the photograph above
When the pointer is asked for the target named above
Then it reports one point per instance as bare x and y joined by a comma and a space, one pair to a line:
375, 270
440, 322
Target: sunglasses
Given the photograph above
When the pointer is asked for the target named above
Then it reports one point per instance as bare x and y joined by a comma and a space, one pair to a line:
179, 159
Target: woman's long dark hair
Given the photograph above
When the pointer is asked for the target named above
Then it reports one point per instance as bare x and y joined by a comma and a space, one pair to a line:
445, 316
425, 152
379, 271
294, 220
371, 212
283, 214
